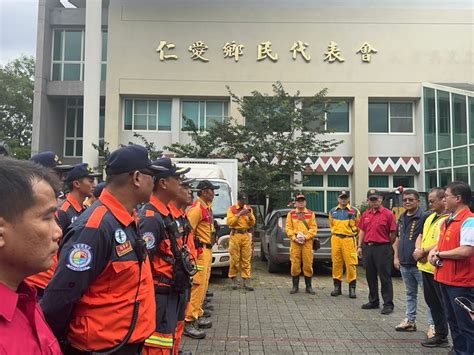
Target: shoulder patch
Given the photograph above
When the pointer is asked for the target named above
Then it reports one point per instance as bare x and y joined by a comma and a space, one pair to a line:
80, 257
96, 217
149, 239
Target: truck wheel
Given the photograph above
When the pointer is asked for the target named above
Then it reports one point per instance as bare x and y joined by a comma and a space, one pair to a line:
263, 257
272, 266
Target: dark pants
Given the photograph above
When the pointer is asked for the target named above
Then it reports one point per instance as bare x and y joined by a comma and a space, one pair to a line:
128, 349
460, 322
378, 263
434, 300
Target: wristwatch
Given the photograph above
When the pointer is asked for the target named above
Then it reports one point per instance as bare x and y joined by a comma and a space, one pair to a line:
437, 255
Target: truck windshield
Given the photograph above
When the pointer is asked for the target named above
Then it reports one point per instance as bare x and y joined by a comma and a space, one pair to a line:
222, 201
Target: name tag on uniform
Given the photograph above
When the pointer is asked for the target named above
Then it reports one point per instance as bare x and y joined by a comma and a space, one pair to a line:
124, 248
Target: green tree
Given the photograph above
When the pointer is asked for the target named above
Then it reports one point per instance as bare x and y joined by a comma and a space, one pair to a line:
16, 105
281, 131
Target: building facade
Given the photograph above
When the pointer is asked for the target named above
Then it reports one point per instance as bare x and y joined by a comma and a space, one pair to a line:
395, 75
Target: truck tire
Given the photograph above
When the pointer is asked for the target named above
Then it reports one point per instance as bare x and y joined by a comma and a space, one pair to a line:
272, 266
263, 257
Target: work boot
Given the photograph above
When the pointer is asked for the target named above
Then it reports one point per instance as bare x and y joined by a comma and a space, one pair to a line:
235, 283
209, 307
337, 288
204, 323
207, 299
206, 313
209, 294
352, 289
245, 284
192, 330
296, 282
309, 288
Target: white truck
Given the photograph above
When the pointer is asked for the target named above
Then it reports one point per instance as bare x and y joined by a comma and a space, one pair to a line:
224, 173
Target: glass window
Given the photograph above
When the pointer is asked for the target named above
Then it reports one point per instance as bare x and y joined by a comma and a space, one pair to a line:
472, 173
128, 115
203, 113
164, 116
401, 117
148, 115
445, 177
430, 119
378, 181
471, 118
459, 120
72, 72
461, 174
430, 161
214, 113
104, 45
315, 200
471, 154
460, 156
312, 180
73, 130
407, 181
444, 131
72, 45
444, 159
337, 117
57, 45
431, 180
378, 117
190, 112
331, 200
338, 181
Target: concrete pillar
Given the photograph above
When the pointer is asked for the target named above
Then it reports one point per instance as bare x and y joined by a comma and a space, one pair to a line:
360, 124
93, 46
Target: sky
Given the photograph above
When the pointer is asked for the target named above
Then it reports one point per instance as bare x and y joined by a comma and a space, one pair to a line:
18, 20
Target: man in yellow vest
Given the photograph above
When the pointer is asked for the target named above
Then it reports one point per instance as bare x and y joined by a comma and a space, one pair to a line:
241, 220
437, 334
343, 221
202, 223
301, 228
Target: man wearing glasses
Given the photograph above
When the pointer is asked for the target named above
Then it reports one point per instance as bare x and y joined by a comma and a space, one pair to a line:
454, 261
377, 230
410, 226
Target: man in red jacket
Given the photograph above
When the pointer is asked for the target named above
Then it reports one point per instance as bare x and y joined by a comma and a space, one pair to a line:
454, 261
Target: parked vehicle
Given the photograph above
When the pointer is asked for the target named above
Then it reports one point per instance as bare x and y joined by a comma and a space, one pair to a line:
224, 173
275, 248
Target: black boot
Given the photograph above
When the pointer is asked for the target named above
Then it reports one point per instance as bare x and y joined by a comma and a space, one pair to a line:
337, 288
309, 288
296, 282
352, 289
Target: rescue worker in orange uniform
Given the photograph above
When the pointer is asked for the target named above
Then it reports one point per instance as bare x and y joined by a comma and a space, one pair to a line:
163, 247
79, 181
343, 221
241, 220
178, 208
202, 223
101, 297
301, 228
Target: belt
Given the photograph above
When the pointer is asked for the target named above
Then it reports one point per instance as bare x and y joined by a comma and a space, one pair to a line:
240, 230
371, 244
344, 236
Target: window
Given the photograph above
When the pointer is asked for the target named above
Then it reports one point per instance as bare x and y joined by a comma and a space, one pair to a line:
471, 118
430, 180
459, 120
445, 177
321, 190
461, 174
407, 181
147, 115
444, 130
444, 159
378, 181
430, 161
336, 116
390, 117
430, 119
74, 126
203, 113
460, 156
388, 182
68, 55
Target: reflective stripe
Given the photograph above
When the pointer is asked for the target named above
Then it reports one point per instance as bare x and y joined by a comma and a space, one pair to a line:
199, 267
160, 341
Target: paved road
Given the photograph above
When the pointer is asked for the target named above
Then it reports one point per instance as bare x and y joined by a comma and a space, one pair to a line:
271, 321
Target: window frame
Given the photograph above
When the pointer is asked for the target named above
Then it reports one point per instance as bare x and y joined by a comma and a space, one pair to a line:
74, 138
325, 188
389, 102
349, 127
133, 99
199, 101
62, 62
391, 185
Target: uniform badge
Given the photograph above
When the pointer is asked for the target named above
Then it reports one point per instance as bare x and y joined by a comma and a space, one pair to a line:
120, 236
124, 248
80, 257
149, 239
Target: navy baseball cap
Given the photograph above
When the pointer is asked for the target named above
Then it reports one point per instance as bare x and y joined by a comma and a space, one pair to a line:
373, 193
129, 158
206, 184
98, 189
300, 197
80, 171
168, 168
343, 193
50, 160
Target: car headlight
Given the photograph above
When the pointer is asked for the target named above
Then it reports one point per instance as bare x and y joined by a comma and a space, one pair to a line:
223, 243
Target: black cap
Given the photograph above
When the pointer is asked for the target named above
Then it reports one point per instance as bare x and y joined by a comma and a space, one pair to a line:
50, 160
80, 171
127, 159
206, 184
373, 193
98, 189
300, 197
168, 168
187, 182
343, 193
